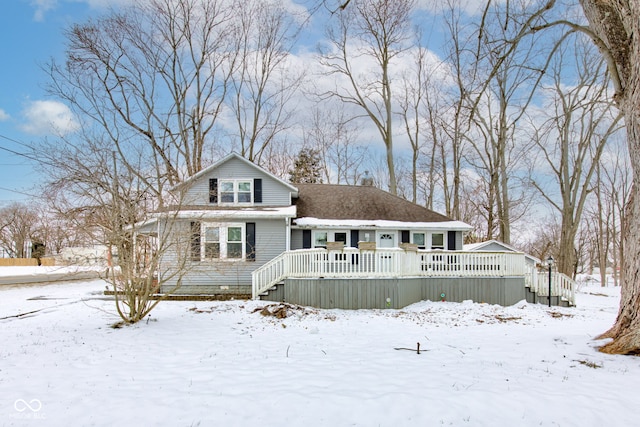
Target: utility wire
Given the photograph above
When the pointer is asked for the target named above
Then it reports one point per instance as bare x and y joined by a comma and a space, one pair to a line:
18, 192
26, 156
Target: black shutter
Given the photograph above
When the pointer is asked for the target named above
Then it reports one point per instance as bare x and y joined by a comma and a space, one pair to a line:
251, 241
306, 239
405, 236
355, 238
213, 190
195, 241
451, 241
257, 190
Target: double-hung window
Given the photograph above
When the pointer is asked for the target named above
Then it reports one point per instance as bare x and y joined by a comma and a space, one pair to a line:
236, 191
211, 242
234, 242
223, 241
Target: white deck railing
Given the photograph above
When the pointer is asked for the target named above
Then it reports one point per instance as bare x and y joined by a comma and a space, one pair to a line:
353, 263
561, 285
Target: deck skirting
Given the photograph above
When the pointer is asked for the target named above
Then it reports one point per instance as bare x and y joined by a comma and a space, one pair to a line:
400, 292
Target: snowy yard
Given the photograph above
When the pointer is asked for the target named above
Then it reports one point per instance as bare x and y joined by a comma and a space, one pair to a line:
226, 364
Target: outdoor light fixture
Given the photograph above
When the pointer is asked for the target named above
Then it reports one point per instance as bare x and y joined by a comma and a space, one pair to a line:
550, 265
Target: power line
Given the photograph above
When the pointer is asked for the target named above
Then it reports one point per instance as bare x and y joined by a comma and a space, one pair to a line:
26, 156
17, 192
14, 140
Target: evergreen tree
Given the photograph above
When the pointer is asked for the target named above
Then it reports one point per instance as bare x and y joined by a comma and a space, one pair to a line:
306, 168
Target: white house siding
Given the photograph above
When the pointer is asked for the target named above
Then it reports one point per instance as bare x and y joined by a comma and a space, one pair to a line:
274, 193
229, 276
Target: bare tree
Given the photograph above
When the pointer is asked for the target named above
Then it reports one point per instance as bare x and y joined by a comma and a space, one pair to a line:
612, 26
571, 143
103, 200
411, 105
453, 116
617, 182
18, 224
265, 82
605, 214
375, 31
335, 136
510, 71
136, 278
152, 79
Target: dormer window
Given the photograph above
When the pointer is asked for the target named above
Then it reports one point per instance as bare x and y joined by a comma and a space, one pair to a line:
235, 191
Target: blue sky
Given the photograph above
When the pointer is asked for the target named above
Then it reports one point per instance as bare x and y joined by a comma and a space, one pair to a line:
32, 33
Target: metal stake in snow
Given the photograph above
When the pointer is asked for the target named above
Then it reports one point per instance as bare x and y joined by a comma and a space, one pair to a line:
417, 350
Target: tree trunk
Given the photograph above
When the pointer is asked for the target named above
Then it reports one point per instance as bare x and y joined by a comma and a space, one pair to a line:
616, 24
626, 331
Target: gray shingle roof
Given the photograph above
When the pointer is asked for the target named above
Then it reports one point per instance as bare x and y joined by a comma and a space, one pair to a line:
327, 201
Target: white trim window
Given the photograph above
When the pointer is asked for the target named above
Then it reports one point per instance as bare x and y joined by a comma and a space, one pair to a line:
223, 241
419, 239
437, 240
320, 239
211, 241
236, 191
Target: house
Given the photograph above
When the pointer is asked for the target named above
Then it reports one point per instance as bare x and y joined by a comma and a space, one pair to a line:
355, 214
247, 232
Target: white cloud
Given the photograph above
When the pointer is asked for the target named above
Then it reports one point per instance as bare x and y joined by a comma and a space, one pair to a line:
102, 4
42, 7
49, 118
3, 115
470, 7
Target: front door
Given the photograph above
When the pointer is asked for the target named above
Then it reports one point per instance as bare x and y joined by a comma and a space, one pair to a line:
386, 240
385, 262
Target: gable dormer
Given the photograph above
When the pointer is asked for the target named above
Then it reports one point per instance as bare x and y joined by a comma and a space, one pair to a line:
235, 191
236, 182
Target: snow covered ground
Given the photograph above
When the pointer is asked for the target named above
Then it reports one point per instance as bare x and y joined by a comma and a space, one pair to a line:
226, 364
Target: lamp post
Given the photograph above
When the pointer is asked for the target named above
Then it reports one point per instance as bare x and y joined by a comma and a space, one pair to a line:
550, 265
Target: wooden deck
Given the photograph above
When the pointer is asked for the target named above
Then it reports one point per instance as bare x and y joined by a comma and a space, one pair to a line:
394, 278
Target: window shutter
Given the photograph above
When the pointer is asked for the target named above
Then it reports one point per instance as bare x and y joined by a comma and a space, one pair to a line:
451, 241
250, 229
355, 238
195, 241
257, 190
306, 239
213, 190
405, 236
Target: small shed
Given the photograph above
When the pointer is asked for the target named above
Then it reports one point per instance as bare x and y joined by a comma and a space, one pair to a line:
496, 246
